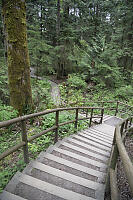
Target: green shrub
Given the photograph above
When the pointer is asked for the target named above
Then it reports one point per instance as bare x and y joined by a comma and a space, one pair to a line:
4, 93
76, 81
106, 76
41, 94
124, 92
7, 113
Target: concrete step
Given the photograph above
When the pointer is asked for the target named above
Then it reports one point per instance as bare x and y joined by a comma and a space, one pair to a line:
105, 117
100, 134
113, 121
90, 137
87, 147
85, 153
110, 137
64, 179
9, 196
79, 157
73, 168
30, 187
91, 142
105, 128
95, 138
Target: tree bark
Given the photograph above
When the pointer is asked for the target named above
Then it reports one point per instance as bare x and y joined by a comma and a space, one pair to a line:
14, 16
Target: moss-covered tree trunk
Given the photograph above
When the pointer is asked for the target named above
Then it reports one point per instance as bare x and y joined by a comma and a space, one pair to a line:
14, 15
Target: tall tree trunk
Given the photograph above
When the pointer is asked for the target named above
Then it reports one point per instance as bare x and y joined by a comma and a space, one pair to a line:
14, 15
58, 21
58, 73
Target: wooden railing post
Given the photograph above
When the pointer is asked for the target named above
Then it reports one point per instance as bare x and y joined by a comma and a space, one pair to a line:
126, 124
24, 139
57, 125
91, 117
122, 128
116, 111
87, 113
130, 122
102, 112
76, 118
112, 170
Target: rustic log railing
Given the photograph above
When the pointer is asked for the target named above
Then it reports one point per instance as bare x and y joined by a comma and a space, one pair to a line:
119, 108
22, 120
118, 149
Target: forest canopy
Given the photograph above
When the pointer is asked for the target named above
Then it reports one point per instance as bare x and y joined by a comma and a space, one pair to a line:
93, 38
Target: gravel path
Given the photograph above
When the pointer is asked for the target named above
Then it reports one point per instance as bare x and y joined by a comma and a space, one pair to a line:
55, 92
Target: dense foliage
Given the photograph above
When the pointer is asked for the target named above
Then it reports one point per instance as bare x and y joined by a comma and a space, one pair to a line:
89, 37
88, 44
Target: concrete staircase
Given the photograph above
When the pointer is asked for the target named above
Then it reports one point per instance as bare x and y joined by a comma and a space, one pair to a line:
73, 169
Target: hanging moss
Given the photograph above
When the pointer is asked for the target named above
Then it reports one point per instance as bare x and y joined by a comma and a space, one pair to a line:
14, 13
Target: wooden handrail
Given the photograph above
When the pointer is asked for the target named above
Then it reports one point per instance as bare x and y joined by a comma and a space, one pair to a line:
26, 117
128, 166
55, 128
119, 149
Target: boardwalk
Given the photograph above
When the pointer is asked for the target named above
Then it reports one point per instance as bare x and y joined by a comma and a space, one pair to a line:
73, 169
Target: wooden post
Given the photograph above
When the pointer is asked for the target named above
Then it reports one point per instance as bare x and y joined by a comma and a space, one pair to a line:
130, 122
116, 111
122, 127
113, 185
24, 139
76, 118
114, 154
91, 117
126, 124
102, 112
112, 163
56, 123
87, 113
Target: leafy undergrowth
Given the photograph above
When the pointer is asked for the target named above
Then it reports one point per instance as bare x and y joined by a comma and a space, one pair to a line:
11, 136
75, 91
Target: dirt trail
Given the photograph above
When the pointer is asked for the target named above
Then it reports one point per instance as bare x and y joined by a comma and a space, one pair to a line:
55, 92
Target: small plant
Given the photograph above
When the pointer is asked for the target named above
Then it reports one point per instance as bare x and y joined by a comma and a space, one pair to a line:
76, 81
7, 113
41, 94
124, 92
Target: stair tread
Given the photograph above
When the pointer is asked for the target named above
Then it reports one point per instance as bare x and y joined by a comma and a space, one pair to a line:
76, 156
90, 137
9, 196
79, 181
95, 138
105, 128
80, 137
74, 168
110, 136
70, 164
103, 137
82, 144
86, 152
37, 184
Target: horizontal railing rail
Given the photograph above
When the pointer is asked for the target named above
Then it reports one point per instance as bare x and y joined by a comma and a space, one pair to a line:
22, 120
119, 149
119, 107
